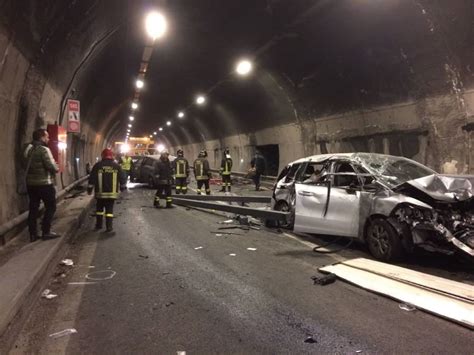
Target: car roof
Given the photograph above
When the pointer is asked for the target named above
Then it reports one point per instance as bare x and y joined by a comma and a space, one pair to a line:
324, 157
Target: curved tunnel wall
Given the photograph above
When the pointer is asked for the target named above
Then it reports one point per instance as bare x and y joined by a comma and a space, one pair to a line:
392, 77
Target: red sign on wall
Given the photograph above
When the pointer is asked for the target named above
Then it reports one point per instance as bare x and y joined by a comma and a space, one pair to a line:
74, 116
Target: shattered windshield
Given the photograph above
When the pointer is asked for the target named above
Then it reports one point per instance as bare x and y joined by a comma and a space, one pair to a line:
392, 170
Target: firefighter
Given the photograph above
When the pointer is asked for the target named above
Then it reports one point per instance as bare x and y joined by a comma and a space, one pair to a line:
202, 172
164, 171
225, 170
181, 171
106, 179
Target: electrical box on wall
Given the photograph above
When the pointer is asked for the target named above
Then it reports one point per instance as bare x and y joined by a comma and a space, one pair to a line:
58, 144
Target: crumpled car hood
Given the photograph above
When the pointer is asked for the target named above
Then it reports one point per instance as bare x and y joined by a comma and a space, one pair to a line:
443, 188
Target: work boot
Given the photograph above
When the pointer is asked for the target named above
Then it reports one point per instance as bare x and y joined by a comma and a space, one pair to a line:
169, 205
98, 223
50, 235
108, 225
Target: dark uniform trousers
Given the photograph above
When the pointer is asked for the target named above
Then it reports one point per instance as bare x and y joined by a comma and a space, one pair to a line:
181, 185
226, 182
200, 184
163, 192
106, 204
36, 194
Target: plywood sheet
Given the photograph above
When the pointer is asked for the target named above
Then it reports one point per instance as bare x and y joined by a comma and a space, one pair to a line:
440, 304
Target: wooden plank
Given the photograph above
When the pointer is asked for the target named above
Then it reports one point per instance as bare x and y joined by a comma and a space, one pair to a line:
457, 289
445, 306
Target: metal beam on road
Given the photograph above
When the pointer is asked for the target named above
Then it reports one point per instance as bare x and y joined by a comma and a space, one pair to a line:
248, 211
226, 198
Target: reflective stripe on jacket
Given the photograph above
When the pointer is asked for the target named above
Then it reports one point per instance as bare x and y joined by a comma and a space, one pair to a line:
201, 169
226, 166
106, 177
181, 168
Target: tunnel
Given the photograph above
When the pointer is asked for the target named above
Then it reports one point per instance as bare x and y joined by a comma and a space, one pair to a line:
393, 77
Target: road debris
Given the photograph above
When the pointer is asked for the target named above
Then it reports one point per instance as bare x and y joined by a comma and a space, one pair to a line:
252, 249
63, 333
82, 283
218, 235
324, 280
169, 304
407, 307
143, 256
48, 295
310, 340
67, 262
101, 275
197, 248
232, 254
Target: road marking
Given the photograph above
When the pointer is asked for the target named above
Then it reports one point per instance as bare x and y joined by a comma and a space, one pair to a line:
313, 245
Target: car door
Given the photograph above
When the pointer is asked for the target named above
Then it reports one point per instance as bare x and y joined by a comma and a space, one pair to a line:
331, 205
284, 187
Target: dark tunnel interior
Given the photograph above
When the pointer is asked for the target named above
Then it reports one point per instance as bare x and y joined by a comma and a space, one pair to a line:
393, 77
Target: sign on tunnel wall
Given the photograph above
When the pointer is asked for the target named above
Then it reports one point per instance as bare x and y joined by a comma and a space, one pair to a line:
74, 116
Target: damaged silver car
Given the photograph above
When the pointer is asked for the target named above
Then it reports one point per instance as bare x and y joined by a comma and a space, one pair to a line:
392, 204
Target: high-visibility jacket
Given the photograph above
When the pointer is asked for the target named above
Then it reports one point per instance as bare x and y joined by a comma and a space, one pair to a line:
181, 168
201, 169
106, 178
126, 163
226, 166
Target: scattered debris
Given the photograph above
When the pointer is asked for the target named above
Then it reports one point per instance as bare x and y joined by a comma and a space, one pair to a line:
310, 340
143, 256
181, 353
358, 351
218, 235
169, 304
165, 273
226, 233
252, 249
67, 262
232, 254
234, 227
82, 283
96, 275
324, 280
407, 307
48, 295
63, 333
197, 248
229, 221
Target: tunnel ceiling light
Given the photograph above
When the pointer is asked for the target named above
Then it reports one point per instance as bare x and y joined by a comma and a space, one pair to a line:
244, 67
168, 123
160, 148
181, 114
156, 25
155, 133
139, 84
134, 105
160, 129
130, 125
200, 100
131, 118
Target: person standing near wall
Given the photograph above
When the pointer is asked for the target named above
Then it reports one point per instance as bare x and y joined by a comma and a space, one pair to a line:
40, 172
258, 164
225, 170
202, 172
164, 170
106, 178
181, 171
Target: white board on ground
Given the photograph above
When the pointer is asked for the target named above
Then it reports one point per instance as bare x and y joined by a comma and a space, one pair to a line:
457, 289
443, 305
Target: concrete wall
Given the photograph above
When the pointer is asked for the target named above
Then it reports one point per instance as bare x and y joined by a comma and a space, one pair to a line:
429, 131
28, 100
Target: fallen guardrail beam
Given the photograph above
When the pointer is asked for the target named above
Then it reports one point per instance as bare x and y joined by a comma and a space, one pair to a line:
247, 211
226, 198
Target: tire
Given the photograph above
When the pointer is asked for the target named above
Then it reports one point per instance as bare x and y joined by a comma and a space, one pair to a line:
383, 241
283, 206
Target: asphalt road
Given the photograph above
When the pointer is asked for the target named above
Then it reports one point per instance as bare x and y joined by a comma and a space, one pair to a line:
164, 283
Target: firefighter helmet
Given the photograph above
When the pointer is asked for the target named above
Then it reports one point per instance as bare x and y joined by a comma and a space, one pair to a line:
202, 154
107, 154
180, 153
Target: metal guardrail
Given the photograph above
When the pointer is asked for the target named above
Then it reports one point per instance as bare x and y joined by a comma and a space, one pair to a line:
7, 227
264, 178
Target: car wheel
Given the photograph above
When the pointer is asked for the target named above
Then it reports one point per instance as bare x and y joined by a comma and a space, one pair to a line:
283, 206
383, 241
151, 182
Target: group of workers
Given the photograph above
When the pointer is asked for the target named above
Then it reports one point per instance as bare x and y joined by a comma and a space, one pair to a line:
108, 177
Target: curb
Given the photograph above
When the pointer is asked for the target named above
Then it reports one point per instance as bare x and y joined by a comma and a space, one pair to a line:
18, 308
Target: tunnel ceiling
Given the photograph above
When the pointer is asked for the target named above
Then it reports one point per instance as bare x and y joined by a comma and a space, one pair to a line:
312, 58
